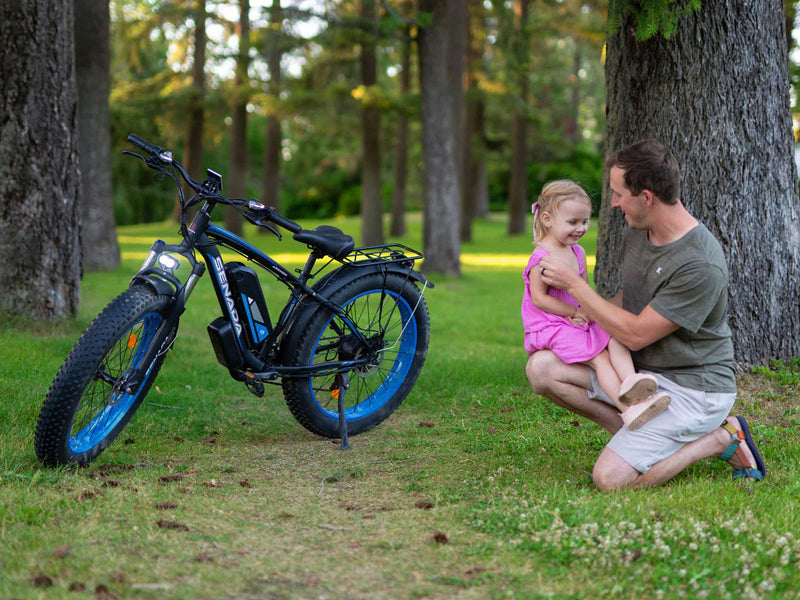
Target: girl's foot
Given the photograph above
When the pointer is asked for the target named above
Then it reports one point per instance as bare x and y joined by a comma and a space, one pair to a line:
639, 414
637, 387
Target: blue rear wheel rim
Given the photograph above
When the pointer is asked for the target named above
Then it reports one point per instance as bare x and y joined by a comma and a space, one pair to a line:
372, 388
102, 407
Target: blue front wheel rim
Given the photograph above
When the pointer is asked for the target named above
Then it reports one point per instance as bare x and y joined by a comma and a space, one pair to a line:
104, 403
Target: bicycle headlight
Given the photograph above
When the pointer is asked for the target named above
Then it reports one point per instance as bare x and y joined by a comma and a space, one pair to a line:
167, 262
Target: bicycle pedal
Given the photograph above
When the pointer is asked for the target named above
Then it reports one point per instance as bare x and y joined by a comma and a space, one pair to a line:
253, 384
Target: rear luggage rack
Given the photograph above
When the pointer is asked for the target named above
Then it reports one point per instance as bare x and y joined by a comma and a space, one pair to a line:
372, 255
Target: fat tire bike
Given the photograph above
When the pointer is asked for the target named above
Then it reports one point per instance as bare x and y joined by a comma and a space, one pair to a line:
346, 348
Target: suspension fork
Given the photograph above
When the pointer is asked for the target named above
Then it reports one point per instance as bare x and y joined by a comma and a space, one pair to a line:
170, 323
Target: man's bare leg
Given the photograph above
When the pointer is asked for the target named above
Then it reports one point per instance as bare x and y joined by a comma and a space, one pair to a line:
567, 385
611, 472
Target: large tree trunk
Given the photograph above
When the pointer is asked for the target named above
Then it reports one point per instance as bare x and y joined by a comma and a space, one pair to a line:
40, 262
272, 135
457, 25
371, 202
193, 152
398, 221
473, 153
237, 163
717, 93
40, 266
518, 186
440, 185
92, 63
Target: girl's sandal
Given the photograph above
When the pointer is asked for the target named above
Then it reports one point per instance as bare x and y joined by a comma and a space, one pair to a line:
637, 415
755, 471
637, 387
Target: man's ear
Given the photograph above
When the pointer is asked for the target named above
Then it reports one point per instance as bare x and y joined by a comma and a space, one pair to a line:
649, 197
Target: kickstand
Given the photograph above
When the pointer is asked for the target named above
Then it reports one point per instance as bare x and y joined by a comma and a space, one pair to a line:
343, 384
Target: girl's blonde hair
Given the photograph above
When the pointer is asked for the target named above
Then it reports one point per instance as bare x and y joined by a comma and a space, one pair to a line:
553, 194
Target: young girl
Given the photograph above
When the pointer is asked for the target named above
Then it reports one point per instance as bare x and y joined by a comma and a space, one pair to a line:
554, 321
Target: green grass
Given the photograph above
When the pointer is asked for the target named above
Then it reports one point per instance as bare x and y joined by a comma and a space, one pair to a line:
475, 488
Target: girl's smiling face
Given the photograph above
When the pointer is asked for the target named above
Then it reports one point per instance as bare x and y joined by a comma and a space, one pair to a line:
569, 223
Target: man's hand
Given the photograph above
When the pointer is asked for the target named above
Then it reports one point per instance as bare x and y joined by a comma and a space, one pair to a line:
558, 274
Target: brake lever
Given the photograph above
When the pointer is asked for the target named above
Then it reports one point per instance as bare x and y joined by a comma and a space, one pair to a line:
136, 154
272, 229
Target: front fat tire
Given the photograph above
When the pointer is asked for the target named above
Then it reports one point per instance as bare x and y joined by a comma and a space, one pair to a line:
83, 411
378, 389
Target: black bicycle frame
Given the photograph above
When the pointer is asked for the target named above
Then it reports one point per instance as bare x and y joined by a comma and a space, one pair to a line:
206, 238
213, 258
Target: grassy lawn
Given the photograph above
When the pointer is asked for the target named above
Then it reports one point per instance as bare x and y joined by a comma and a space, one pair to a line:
475, 488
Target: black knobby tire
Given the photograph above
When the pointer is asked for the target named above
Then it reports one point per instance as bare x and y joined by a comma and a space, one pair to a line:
87, 405
395, 320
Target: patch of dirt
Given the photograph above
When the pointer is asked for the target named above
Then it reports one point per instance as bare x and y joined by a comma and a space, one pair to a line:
164, 524
774, 403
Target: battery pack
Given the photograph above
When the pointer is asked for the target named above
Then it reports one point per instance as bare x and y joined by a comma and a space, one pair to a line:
248, 298
223, 339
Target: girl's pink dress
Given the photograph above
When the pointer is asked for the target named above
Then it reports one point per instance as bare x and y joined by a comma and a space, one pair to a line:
545, 331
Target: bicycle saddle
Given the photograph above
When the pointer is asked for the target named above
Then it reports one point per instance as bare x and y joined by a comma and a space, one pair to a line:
327, 239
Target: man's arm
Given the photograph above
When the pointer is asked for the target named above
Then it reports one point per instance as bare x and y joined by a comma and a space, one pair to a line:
633, 331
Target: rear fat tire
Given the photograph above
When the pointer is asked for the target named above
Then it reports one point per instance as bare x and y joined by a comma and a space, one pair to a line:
85, 408
377, 389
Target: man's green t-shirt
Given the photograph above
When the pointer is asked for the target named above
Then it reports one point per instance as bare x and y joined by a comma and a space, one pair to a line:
686, 282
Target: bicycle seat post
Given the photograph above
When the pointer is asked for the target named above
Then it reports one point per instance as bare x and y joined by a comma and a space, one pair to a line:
305, 274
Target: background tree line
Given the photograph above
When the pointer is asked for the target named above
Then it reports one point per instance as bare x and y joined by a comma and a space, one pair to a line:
317, 88
451, 107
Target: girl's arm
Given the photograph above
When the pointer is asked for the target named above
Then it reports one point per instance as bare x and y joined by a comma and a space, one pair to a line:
580, 317
542, 300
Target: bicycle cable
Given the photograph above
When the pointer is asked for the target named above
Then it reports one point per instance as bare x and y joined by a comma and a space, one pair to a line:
408, 321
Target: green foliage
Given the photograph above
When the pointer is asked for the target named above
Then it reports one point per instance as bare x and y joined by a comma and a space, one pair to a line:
319, 99
784, 373
350, 202
651, 17
584, 165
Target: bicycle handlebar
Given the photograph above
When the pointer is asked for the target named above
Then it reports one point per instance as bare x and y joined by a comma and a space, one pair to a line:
164, 156
143, 144
272, 215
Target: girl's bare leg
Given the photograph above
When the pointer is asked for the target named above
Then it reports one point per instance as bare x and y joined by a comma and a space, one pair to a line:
608, 377
645, 408
633, 389
620, 358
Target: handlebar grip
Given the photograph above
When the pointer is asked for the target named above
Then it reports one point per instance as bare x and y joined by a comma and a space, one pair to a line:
273, 216
143, 144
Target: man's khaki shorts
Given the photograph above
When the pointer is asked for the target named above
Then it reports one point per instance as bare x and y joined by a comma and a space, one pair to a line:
690, 415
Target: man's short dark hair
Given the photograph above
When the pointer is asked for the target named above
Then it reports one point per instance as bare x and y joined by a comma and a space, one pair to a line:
649, 165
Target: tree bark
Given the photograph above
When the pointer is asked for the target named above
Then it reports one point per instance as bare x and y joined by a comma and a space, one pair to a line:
272, 138
40, 254
518, 186
440, 185
473, 153
398, 221
457, 56
237, 163
371, 201
193, 151
717, 93
93, 78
